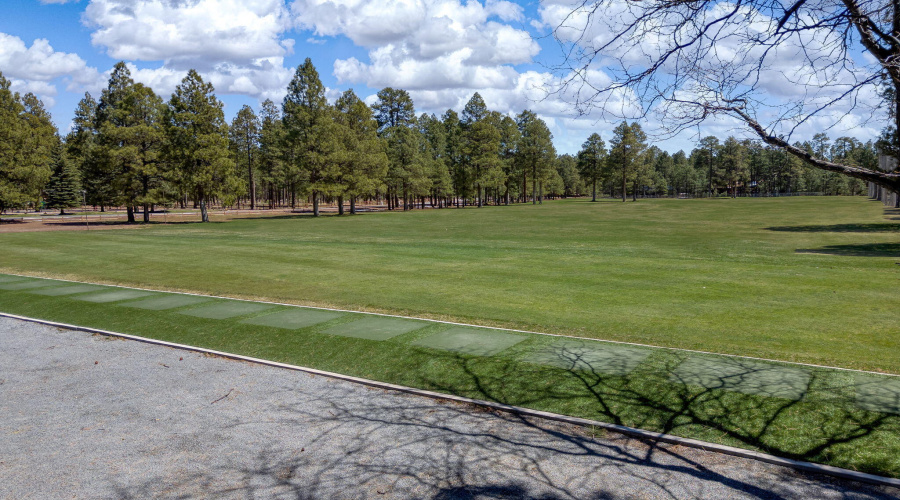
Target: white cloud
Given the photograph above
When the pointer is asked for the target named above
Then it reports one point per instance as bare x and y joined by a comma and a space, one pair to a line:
189, 32
36, 68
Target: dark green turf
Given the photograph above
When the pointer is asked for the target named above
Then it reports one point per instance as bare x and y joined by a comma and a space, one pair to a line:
68, 290
589, 355
168, 301
473, 341
293, 319
878, 393
27, 285
744, 375
376, 327
226, 309
113, 296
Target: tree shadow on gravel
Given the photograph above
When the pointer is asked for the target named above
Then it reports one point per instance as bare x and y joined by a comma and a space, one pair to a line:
351, 441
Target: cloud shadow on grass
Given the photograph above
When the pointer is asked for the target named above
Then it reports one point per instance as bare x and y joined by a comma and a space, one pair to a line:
881, 227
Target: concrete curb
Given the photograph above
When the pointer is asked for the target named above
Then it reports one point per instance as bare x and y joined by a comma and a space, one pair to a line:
621, 429
591, 339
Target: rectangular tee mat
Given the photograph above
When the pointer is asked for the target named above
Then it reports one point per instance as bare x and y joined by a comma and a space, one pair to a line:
601, 357
743, 375
226, 309
877, 393
68, 290
170, 301
293, 319
475, 341
113, 296
5, 278
376, 328
27, 285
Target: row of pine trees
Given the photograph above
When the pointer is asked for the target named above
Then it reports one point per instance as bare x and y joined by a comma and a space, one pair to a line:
129, 148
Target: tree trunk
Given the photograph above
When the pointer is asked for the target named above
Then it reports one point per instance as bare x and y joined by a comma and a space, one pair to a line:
534, 184
624, 186
204, 213
353, 205
341, 205
146, 212
130, 210
315, 200
595, 190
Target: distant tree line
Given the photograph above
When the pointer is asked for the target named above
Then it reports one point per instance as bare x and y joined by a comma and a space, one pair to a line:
132, 149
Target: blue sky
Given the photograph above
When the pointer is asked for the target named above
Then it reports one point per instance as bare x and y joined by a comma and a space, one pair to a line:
440, 50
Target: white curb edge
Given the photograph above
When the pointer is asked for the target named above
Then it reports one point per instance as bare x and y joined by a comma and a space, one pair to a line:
621, 429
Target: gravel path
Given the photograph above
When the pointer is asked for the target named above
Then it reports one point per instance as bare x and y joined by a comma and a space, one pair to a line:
86, 416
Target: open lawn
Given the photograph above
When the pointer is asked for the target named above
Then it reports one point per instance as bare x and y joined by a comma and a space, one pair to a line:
813, 280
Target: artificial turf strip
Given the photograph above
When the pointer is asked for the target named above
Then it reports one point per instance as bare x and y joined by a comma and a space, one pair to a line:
292, 319
26, 285
10, 279
168, 301
744, 375
226, 309
825, 427
877, 394
376, 328
115, 295
67, 290
600, 357
471, 341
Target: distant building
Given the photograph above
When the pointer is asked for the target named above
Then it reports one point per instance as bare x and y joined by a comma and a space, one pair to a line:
886, 196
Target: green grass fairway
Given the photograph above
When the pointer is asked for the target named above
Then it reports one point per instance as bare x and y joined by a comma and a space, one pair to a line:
376, 328
810, 279
293, 319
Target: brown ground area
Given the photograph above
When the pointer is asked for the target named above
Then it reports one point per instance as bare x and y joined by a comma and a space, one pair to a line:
10, 223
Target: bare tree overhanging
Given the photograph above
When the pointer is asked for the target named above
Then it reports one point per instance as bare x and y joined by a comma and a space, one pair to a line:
773, 66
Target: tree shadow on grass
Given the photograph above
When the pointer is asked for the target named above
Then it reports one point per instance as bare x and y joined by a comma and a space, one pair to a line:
883, 227
862, 250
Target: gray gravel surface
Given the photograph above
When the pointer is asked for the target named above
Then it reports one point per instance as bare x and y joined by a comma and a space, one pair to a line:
85, 416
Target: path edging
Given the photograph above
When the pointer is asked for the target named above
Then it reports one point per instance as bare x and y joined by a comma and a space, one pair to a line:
621, 429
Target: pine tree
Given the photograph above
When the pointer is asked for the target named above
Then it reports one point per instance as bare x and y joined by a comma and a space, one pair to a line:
361, 158
310, 133
198, 144
592, 161
271, 140
394, 108
81, 144
129, 142
244, 137
626, 154
535, 151
509, 141
64, 188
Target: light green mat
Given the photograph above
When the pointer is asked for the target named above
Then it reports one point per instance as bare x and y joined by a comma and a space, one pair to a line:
226, 309
293, 319
743, 375
167, 302
5, 278
600, 357
376, 328
27, 285
67, 290
878, 393
113, 296
474, 341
